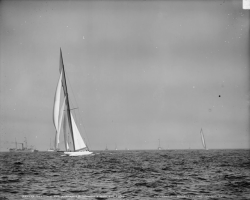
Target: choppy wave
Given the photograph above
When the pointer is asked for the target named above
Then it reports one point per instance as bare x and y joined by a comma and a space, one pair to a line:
165, 174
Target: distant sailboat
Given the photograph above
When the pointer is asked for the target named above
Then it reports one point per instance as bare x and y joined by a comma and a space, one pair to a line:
50, 148
59, 117
115, 147
106, 149
203, 140
159, 147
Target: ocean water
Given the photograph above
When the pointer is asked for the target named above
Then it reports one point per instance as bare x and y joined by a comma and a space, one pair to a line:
165, 174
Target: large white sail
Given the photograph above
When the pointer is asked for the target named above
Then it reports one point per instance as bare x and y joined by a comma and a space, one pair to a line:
203, 139
60, 123
57, 103
79, 143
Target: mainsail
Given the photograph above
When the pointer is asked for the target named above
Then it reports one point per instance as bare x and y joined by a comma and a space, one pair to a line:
56, 110
59, 124
203, 140
57, 102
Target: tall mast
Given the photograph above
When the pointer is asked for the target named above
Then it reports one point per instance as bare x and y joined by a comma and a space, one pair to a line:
67, 101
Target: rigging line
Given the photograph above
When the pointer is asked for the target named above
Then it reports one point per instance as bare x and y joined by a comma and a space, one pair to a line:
81, 121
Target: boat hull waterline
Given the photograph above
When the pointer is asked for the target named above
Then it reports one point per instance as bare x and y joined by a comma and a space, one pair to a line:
78, 153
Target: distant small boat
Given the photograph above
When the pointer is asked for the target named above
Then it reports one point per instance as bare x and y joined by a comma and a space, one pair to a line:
23, 149
59, 118
159, 146
50, 148
106, 149
15, 149
203, 140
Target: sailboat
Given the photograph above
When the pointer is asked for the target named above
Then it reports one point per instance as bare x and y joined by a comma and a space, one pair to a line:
50, 148
203, 140
159, 147
62, 117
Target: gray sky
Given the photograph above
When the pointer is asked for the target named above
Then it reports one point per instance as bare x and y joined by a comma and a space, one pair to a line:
139, 71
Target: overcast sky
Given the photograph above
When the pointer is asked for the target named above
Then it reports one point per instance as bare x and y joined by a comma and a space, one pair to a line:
138, 71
